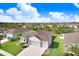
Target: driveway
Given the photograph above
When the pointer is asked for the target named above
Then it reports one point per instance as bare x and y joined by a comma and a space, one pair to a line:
32, 51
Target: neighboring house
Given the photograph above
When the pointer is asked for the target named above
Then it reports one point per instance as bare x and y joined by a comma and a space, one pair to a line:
14, 32
41, 38
75, 26
72, 26
71, 38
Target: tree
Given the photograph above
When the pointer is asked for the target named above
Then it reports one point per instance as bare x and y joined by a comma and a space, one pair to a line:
1, 38
18, 35
74, 49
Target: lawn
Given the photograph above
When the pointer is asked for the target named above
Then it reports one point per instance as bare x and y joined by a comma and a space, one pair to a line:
76, 30
56, 48
11, 47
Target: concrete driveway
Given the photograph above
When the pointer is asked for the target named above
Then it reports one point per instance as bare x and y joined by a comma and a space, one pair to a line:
32, 51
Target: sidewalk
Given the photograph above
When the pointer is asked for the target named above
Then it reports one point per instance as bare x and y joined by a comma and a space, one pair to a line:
5, 53
4, 40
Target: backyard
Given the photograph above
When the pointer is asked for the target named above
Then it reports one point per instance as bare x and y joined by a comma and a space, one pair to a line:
11, 47
56, 48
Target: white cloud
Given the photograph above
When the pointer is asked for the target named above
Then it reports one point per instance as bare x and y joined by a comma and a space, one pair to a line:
61, 17
4, 18
76, 4
27, 13
13, 11
1, 11
76, 18
28, 10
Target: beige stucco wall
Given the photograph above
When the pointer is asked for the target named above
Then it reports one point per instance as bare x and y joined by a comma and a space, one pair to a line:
45, 44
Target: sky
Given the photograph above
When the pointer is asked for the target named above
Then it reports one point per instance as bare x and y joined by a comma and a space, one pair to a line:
39, 12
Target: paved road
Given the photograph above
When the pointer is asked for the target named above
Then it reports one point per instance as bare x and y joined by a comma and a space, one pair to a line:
32, 51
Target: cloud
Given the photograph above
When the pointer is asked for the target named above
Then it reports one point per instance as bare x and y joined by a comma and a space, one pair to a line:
27, 13
28, 10
76, 4
1, 11
61, 17
13, 11
76, 18
4, 18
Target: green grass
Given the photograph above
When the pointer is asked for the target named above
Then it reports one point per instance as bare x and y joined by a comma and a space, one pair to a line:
76, 30
56, 48
11, 47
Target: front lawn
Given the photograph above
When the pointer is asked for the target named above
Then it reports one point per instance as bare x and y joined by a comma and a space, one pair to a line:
56, 48
11, 47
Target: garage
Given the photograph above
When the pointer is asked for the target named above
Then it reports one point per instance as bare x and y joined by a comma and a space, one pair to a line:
34, 41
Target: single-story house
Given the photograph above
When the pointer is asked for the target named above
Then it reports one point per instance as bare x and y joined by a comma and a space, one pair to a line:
41, 38
71, 38
14, 32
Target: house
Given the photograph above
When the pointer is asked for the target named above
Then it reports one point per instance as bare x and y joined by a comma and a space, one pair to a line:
71, 38
75, 26
41, 38
14, 32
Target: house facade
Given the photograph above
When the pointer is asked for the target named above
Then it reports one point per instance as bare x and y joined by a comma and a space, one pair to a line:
41, 38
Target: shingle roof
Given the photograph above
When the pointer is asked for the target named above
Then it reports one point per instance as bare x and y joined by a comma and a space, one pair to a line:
29, 33
19, 30
15, 31
70, 38
10, 31
40, 34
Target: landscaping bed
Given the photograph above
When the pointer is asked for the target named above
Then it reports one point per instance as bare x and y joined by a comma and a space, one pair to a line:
56, 48
11, 47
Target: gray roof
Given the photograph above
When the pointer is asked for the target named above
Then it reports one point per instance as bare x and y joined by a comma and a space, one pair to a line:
70, 38
44, 32
29, 33
15, 31
40, 34
10, 31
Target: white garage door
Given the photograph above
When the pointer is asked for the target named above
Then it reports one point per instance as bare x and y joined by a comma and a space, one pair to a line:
35, 43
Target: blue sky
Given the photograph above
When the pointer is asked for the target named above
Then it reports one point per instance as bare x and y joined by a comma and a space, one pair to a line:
56, 7
46, 10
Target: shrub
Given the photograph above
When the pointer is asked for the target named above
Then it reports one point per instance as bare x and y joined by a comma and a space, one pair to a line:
12, 38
